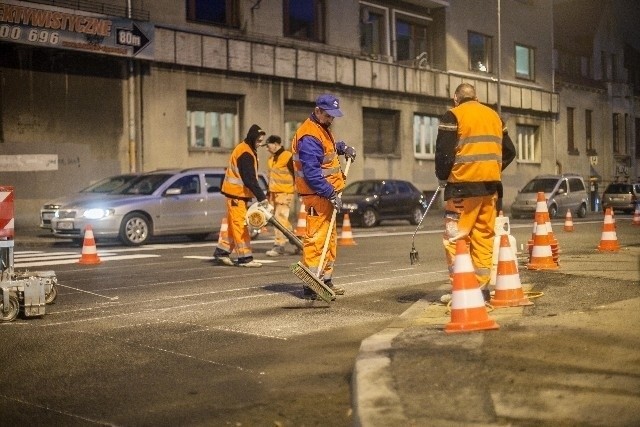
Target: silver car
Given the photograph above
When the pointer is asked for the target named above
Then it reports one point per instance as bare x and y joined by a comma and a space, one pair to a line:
562, 192
95, 191
165, 202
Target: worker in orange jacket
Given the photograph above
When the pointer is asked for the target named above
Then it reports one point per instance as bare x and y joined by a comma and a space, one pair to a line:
319, 180
240, 185
281, 190
473, 147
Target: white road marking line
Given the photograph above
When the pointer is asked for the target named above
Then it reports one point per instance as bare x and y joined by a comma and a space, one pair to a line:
75, 260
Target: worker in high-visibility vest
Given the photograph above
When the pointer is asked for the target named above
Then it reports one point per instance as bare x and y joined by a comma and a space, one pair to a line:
240, 185
473, 147
281, 190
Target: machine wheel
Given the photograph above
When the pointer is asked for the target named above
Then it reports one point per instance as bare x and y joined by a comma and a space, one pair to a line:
50, 297
369, 218
582, 211
14, 309
416, 216
135, 229
553, 211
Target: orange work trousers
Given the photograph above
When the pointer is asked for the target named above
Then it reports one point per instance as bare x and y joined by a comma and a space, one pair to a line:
239, 239
319, 211
282, 203
472, 219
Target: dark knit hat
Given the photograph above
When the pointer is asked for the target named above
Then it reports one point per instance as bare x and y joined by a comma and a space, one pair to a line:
254, 133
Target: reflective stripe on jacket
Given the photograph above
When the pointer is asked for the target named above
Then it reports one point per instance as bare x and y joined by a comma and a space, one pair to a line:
479, 150
233, 184
280, 178
330, 164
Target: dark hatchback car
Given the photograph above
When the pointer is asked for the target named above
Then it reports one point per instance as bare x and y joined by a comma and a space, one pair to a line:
370, 201
621, 196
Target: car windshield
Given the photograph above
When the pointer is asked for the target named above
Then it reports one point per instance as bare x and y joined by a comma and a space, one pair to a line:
361, 188
618, 188
109, 184
545, 185
145, 184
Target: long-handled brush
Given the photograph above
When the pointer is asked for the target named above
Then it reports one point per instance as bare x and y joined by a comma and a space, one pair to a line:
413, 255
303, 273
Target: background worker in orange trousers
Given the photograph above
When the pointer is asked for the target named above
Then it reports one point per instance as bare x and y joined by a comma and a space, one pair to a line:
281, 189
472, 149
319, 180
240, 185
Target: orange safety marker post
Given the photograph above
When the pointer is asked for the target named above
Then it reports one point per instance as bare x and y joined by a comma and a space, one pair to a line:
223, 235
636, 215
541, 255
346, 237
89, 251
609, 238
508, 291
468, 311
568, 221
7, 221
301, 225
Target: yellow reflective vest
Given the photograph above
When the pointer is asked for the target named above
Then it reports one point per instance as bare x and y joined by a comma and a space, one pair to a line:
479, 150
233, 184
330, 163
280, 178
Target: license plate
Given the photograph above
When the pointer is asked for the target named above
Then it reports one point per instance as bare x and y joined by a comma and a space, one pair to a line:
68, 225
47, 215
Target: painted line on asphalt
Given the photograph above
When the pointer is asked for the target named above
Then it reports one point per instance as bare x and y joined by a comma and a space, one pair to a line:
75, 260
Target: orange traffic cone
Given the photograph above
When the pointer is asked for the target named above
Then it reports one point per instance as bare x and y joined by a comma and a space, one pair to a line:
541, 255
508, 291
89, 250
543, 211
346, 237
636, 215
609, 239
223, 235
468, 311
568, 221
301, 225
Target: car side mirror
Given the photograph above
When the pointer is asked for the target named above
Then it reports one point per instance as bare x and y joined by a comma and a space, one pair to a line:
173, 192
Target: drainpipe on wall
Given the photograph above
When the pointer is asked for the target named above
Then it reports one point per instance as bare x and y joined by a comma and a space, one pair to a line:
131, 109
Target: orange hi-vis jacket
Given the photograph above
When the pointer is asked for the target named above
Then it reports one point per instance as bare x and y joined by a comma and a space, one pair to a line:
479, 150
330, 164
280, 179
233, 184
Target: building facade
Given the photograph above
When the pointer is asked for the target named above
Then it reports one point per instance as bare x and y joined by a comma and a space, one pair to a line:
118, 86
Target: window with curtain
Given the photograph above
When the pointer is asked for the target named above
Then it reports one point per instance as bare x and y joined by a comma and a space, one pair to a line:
480, 52
380, 131
212, 120
373, 30
524, 57
425, 132
527, 144
411, 37
571, 141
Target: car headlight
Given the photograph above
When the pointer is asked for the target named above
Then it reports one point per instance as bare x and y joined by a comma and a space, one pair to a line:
350, 206
97, 213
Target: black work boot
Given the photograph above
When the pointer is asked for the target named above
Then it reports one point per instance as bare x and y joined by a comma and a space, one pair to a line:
486, 294
336, 290
307, 293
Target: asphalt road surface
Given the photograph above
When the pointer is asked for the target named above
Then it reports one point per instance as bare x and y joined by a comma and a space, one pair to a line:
159, 336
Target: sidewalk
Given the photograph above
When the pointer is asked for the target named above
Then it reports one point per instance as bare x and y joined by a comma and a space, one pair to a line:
571, 359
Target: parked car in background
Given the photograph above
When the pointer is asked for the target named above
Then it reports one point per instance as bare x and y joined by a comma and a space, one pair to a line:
621, 196
106, 185
562, 192
373, 200
160, 203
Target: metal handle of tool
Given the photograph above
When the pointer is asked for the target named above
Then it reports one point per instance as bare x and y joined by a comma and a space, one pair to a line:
327, 239
433, 198
293, 239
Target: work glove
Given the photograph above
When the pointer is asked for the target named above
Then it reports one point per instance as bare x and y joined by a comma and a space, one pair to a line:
336, 201
343, 149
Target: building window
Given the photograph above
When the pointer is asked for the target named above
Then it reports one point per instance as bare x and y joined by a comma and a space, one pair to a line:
571, 141
373, 30
527, 144
294, 114
212, 120
304, 19
588, 132
525, 62
380, 131
615, 121
219, 12
411, 37
425, 131
480, 52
